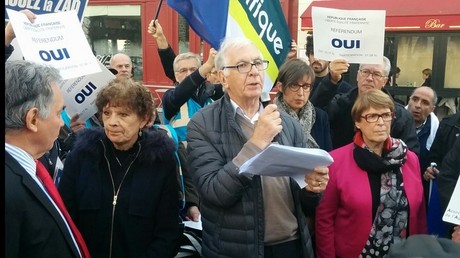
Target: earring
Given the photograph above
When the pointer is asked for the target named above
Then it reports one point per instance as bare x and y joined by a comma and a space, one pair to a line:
140, 132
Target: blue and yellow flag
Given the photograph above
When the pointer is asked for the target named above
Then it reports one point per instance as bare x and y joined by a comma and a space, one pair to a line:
261, 21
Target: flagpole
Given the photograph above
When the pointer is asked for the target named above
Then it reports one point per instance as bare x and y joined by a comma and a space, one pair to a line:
158, 11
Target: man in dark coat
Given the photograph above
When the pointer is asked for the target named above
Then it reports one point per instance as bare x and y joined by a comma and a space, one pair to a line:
248, 215
35, 226
339, 108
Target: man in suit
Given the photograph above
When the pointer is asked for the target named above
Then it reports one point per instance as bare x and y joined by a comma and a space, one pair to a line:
52, 159
34, 227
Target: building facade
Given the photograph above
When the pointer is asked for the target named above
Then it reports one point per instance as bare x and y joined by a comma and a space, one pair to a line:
417, 37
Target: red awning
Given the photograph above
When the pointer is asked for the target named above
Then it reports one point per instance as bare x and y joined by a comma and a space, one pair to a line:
401, 15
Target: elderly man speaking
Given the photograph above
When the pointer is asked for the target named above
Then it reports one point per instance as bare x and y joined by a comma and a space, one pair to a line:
243, 215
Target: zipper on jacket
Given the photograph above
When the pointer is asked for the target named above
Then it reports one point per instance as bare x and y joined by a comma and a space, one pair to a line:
115, 193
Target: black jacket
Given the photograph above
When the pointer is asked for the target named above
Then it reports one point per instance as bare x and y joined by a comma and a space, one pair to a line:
145, 220
193, 87
447, 134
324, 90
33, 225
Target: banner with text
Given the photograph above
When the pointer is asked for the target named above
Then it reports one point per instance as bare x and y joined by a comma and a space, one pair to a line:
47, 6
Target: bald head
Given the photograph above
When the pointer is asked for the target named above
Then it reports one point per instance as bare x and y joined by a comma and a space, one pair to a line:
122, 63
421, 103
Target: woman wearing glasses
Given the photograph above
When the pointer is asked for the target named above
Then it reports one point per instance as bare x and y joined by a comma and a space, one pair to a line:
374, 197
294, 82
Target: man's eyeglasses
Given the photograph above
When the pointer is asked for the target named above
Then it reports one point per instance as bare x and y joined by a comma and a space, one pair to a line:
375, 75
184, 70
373, 117
296, 87
245, 67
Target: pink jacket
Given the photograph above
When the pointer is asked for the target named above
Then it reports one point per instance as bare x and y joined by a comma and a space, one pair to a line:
344, 215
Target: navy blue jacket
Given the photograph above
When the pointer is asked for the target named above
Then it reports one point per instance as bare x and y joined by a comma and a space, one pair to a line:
33, 225
145, 220
320, 130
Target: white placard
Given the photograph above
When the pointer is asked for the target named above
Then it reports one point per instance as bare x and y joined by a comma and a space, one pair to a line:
56, 39
354, 35
452, 213
80, 93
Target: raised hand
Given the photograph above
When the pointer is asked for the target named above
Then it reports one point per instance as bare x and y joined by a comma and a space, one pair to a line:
9, 32
337, 67
156, 31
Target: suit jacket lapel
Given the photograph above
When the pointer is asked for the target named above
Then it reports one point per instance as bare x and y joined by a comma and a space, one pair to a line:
30, 184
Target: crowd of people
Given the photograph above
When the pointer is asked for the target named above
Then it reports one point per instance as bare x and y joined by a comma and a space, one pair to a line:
118, 186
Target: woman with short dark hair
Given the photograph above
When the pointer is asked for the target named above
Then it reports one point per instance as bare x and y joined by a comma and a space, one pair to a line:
119, 182
295, 82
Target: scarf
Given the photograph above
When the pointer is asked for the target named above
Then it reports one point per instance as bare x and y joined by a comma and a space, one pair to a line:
306, 117
391, 218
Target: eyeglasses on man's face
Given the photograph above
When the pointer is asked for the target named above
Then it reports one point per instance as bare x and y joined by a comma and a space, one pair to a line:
184, 70
295, 87
374, 117
245, 67
375, 75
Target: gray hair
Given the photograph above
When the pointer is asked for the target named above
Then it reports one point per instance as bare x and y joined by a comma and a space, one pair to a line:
185, 56
28, 85
386, 66
220, 61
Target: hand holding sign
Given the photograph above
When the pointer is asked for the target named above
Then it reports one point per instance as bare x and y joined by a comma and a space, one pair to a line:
56, 39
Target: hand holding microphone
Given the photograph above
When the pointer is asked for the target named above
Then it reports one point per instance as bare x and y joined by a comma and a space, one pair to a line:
268, 126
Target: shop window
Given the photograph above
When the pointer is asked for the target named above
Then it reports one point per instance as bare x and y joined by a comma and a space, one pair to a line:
452, 77
184, 37
115, 29
414, 54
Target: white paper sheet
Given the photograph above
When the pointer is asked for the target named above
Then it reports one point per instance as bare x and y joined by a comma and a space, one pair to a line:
281, 160
452, 213
194, 224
